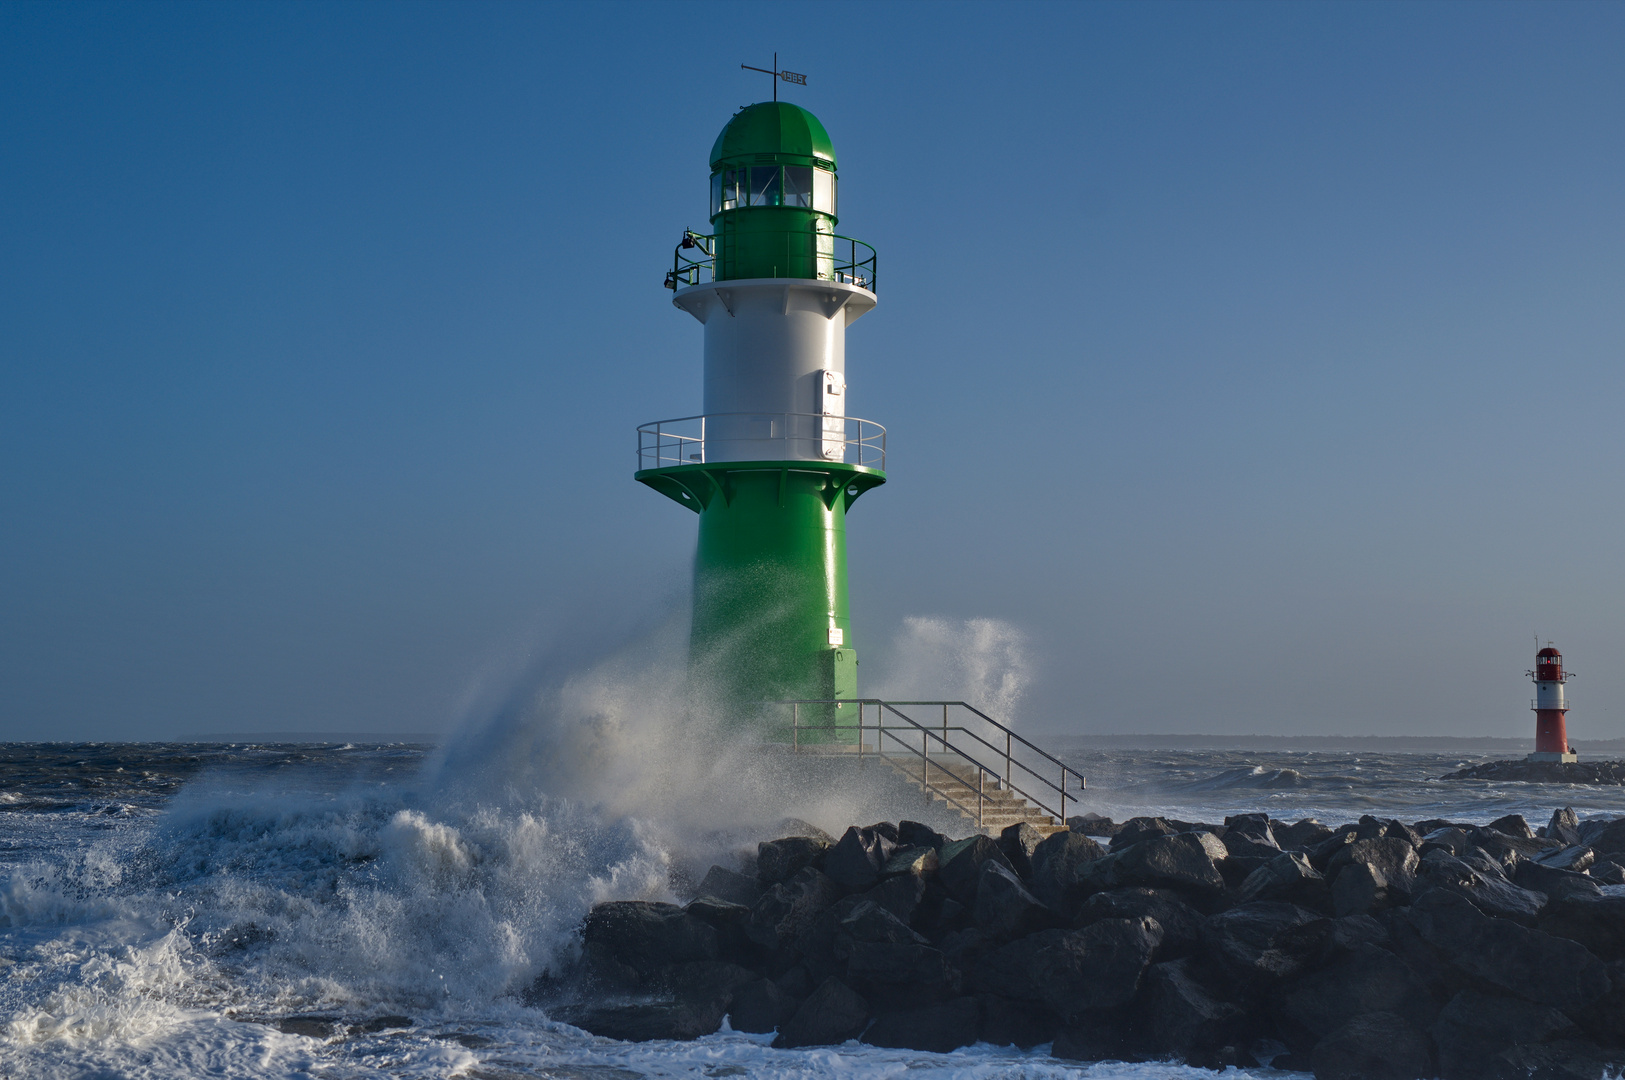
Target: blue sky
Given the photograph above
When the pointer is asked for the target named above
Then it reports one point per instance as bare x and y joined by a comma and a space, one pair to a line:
1260, 363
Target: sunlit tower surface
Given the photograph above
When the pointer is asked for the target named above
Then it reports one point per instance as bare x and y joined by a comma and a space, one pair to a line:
1551, 707
774, 462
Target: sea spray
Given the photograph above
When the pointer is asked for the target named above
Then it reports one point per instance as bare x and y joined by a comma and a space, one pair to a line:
983, 662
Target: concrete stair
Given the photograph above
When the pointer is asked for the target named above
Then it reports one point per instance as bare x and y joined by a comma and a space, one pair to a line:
953, 781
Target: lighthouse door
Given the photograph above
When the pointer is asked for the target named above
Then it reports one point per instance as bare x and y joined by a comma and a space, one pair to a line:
832, 403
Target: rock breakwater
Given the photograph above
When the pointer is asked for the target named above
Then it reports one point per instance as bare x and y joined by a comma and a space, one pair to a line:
1611, 773
1376, 949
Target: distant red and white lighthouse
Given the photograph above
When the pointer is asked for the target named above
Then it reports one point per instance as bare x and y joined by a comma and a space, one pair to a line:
1551, 735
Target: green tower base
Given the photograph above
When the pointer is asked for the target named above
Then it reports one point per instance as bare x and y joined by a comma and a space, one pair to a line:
771, 618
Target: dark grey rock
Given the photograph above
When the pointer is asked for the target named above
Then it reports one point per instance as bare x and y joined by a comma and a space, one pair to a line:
1367, 980
1596, 922
1261, 943
832, 1014
1300, 834
1058, 868
729, 886
1564, 827
856, 860
1136, 829
913, 834
1512, 825
899, 894
1352, 931
1509, 851
1101, 1035
647, 936
311, 1027
649, 1021
961, 866
778, 861
887, 830
1577, 858
787, 910
935, 1029
760, 1006
817, 943
1474, 1031
920, 967
1372, 874
1179, 1016
1092, 824
1523, 962
1004, 908
1181, 924
1561, 1059
1016, 1023
380, 1023
1071, 971
1485, 889
1184, 860
868, 921
914, 861
1609, 869
1375, 1046
1018, 843
1606, 835
1555, 883
732, 924
1290, 878
1320, 854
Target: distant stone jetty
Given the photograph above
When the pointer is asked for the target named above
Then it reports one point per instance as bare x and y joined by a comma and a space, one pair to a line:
1379, 949
1545, 772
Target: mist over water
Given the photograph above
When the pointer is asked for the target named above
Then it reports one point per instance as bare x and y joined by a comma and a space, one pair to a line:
980, 661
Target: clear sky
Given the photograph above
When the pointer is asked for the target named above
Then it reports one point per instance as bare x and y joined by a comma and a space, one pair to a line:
1259, 364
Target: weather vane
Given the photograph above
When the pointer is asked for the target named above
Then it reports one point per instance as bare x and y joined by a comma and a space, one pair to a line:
787, 76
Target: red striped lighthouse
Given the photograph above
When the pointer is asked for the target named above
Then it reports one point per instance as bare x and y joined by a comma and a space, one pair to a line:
1551, 733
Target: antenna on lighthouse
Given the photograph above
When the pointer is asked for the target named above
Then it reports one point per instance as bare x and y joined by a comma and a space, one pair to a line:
788, 76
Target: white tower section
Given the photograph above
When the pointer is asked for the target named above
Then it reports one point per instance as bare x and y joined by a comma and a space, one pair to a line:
775, 366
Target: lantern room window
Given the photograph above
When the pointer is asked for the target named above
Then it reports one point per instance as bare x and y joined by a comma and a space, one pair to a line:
764, 186
801, 186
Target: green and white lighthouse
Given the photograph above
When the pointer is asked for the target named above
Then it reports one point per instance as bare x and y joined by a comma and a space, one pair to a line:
774, 462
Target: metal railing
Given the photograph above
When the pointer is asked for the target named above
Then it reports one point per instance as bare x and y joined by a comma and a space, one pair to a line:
907, 739
694, 262
798, 437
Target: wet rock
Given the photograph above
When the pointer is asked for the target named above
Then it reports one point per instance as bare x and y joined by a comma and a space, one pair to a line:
961, 866
887, 830
913, 834
1102, 1035
729, 886
1451, 839
732, 924
1376, 1046
1288, 878
778, 861
832, 1014
760, 1006
1372, 874
1092, 824
647, 936
1351, 931
1485, 889
1525, 963
856, 860
1555, 883
1018, 843
1577, 858
1004, 908
1564, 827
1320, 854
1605, 835
917, 861
1070, 971
1368, 980
1561, 1059
1596, 922
788, 909
1245, 847
817, 944
1475, 1030
1058, 868
1261, 943
1512, 825
657, 1020
899, 894
1016, 1023
1183, 860
311, 1027
870, 922
1136, 829
1179, 1016
1509, 851
1181, 924
925, 971
935, 1029
1608, 869
376, 1024
1300, 834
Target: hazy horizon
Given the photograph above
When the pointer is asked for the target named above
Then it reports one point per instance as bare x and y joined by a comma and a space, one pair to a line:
1247, 368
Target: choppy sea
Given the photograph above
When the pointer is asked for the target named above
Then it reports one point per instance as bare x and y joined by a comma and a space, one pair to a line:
165, 908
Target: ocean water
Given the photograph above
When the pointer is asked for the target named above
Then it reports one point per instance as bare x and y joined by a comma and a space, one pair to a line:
164, 908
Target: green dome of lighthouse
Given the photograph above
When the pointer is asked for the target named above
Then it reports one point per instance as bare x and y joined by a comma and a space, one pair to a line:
789, 133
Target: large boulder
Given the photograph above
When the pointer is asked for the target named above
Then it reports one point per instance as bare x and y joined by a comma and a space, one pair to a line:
1181, 924
1475, 1030
856, 861
1072, 971
780, 860
1372, 874
915, 861
729, 886
1523, 962
1059, 865
1135, 829
1289, 878
913, 834
1480, 885
1367, 980
1300, 834
1577, 858
961, 866
732, 924
1179, 1016
1004, 908
1606, 835
788, 909
832, 1014
1018, 842
643, 1022
935, 1029
1597, 922
1015, 1023
1564, 827
1186, 861
760, 1006
1374, 1046
1262, 943
1556, 884
1512, 825
647, 936
900, 894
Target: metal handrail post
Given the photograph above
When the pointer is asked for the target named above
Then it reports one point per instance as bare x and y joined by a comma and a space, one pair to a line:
795, 729
1007, 753
925, 769
981, 776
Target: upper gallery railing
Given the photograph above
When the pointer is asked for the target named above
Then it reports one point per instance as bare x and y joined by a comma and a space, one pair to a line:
848, 261
695, 440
